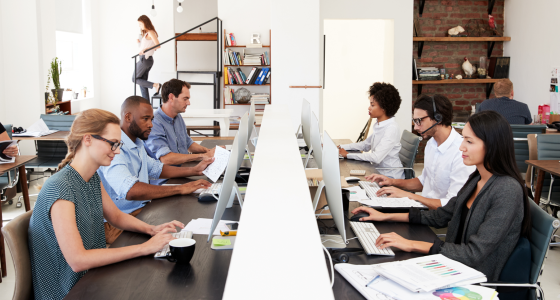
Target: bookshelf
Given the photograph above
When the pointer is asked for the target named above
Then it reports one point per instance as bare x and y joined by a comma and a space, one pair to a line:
246, 69
491, 40
489, 83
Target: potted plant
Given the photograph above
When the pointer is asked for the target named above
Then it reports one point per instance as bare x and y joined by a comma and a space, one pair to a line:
55, 71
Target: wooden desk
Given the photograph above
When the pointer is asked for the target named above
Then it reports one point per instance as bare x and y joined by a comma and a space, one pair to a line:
550, 166
20, 164
57, 136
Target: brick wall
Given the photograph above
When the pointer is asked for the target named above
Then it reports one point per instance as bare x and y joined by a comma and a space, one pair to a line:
438, 17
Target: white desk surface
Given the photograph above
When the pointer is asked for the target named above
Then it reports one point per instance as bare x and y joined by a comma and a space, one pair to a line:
207, 113
278, 252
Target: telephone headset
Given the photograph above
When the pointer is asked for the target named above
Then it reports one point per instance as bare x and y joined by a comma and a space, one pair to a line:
437, 116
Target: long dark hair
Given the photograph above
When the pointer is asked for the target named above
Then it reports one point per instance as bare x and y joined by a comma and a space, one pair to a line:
147, 24
494, 130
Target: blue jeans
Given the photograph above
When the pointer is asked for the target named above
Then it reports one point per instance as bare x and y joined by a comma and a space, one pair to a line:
143, 67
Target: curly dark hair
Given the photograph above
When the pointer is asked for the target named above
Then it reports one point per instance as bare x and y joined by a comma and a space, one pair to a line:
387, 96
173, 86
443, 106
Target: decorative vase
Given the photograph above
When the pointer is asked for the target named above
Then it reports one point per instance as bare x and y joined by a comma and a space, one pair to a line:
58, 94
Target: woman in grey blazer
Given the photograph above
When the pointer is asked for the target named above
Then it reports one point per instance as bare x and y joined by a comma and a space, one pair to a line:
490, 212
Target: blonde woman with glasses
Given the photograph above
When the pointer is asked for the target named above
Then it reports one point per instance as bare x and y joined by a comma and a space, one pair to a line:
66, 233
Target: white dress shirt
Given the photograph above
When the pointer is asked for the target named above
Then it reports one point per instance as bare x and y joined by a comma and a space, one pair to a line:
385, 144
444, 171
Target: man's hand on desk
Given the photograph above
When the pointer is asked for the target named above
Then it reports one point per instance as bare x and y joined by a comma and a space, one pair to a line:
343, 152
393, 192
189, 188
158, 241
167, 227
203, 164
381, 180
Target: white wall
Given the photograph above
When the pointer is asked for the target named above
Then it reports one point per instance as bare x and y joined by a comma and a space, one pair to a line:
401, 11
23, 62
352, 64
534, 48
69, 16
295, 45
117, 34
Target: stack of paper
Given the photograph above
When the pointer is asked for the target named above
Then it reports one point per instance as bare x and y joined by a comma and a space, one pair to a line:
385, 289
202, 226
38, 129
392, 202
357, 194
429, 273
215, 169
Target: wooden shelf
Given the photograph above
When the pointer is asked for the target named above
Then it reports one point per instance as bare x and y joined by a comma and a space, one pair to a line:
454, 81
461, 39
207, 36
491, 40
489, 83
247, 66
247, 84
242, 46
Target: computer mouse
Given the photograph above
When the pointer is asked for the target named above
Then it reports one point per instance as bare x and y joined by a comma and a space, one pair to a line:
206, 198
358, 216
352, 179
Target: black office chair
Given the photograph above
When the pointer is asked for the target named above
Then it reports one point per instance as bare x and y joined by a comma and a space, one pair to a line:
524, 266
521, 145
9, 179
407, 155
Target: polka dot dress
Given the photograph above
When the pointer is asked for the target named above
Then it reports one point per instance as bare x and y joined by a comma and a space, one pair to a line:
52, 276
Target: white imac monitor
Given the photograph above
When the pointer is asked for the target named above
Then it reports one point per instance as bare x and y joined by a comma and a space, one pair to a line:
225, 199
316, 141
331, 179
306, 123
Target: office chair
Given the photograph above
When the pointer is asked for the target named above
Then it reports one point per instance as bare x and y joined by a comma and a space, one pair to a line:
409, 149
50, 153
15, 233
536, 247
521, 146
10, 179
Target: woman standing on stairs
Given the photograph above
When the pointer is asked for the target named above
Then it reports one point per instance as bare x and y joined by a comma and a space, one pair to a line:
144, 65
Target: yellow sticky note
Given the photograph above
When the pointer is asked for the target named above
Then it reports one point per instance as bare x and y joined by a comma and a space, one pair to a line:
221, 242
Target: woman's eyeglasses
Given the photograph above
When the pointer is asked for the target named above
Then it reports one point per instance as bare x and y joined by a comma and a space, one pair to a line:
419, 120
114, 145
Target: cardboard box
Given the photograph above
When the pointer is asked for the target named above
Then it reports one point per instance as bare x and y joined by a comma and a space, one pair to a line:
318, 175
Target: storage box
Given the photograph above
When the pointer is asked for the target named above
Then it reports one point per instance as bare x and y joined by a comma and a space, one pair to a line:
317, 175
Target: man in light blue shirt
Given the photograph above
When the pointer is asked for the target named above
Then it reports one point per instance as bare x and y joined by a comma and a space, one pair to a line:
169, 141
127, 178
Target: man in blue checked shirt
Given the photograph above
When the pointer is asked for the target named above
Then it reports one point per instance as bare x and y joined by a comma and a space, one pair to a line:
127, 178
169, 141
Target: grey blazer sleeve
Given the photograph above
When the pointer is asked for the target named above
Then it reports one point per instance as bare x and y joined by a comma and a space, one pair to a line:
503, 209
440, 217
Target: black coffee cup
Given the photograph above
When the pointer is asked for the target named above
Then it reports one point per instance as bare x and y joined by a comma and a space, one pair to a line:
181, 251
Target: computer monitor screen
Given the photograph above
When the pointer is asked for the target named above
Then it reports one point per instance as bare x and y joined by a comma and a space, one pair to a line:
331, 178
306, 122
316, 141
242, 135
227, 186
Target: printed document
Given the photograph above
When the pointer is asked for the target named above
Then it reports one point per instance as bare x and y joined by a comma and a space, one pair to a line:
215, 169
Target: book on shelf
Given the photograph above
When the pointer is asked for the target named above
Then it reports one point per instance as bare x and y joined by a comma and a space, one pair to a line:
229, 95
256, 59
260, 98
231, 40
250, 75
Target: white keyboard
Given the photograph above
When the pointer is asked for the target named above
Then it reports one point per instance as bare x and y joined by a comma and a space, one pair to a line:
367, 235
215, 189
180, 235
371, 189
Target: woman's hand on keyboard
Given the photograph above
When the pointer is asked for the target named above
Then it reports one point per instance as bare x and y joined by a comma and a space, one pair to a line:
374, 215
157, 242
169, 227
392, 192
203, 164
190, 187
394, 240
380, 179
